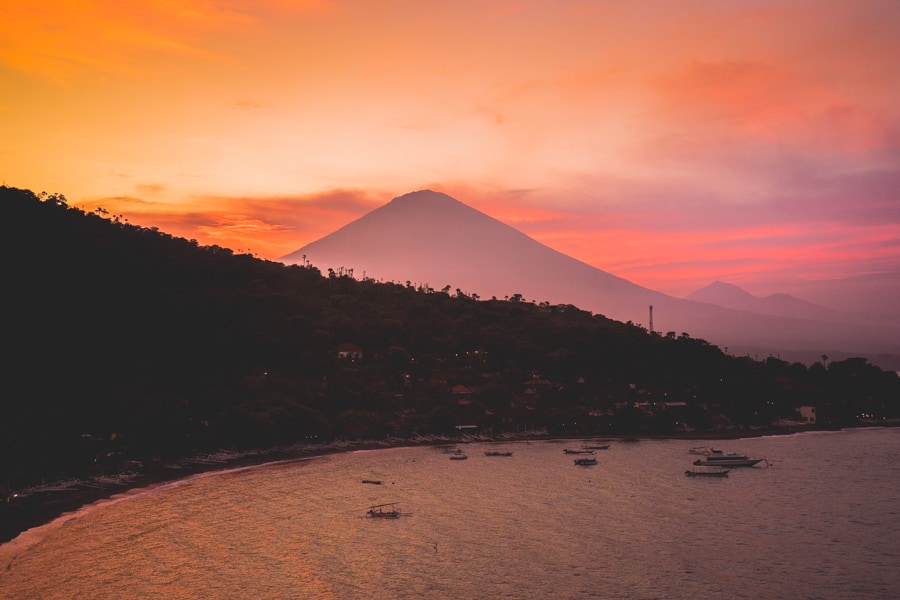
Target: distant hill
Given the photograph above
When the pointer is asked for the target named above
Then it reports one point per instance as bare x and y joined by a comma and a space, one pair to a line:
430, 238
783, 305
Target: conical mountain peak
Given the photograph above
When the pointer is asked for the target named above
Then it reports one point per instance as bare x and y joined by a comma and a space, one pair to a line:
427, 206
429, 239
428, 197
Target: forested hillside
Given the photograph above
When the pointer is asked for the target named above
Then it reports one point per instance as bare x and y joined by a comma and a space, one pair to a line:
122, 342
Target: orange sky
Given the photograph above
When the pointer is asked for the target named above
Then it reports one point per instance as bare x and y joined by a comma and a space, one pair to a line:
670, 143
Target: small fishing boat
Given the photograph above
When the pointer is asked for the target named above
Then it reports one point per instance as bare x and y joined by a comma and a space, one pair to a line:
585, 462
460, 456
570, 451
383, 511
600, 447
729, 461
704, 450
373, 481
496, 453
710, 471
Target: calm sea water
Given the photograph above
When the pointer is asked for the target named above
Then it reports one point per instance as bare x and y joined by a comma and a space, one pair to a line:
821, 521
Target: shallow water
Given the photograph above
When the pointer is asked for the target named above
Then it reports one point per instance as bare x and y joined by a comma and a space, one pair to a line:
820, 522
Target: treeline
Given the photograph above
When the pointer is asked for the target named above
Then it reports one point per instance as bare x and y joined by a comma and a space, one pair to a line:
123, 342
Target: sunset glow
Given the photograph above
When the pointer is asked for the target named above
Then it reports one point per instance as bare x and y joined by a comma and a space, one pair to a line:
672, 144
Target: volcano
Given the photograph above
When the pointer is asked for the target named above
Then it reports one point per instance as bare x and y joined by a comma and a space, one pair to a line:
428, 239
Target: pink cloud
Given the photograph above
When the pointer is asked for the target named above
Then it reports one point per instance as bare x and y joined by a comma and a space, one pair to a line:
777, 103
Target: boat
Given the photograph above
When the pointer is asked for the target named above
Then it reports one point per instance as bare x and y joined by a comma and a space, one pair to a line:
705, 450
585, 462
459, 456
497, 453
373, 481
570, 451
602, 447
383, 511
726, 456
728, 460
707, 471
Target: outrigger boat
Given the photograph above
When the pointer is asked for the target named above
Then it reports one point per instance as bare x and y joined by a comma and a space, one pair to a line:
383, 511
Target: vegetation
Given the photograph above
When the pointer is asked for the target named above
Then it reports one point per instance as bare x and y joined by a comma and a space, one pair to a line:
126, 343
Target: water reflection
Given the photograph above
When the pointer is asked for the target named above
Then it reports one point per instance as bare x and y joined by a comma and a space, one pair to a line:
820, 522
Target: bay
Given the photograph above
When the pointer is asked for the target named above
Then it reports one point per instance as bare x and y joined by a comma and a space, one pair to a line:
818, 519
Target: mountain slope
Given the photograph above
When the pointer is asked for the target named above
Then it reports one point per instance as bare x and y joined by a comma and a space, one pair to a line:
429, 238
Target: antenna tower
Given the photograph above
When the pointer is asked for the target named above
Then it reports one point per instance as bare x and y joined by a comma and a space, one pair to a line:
651, 318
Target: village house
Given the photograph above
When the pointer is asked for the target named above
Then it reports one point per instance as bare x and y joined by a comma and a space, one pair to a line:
807, 414
349, 351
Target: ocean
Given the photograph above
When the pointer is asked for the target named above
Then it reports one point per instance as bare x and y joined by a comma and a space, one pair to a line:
819, 518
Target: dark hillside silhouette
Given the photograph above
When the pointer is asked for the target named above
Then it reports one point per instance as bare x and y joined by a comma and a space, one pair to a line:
123, 343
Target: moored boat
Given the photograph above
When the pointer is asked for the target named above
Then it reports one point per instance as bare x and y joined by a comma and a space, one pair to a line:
707, 471
497, 453
736, 460
570, 451
585, 462
383, 511
705, 450
460, 456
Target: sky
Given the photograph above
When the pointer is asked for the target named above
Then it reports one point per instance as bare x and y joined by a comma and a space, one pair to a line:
670, 143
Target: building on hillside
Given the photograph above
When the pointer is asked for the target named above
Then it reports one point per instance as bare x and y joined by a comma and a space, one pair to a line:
349, 351
807, 414
462, 393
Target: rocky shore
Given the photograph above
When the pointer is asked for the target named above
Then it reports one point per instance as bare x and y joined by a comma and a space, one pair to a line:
37, 505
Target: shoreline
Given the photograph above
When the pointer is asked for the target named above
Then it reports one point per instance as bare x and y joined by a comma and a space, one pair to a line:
43, 504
